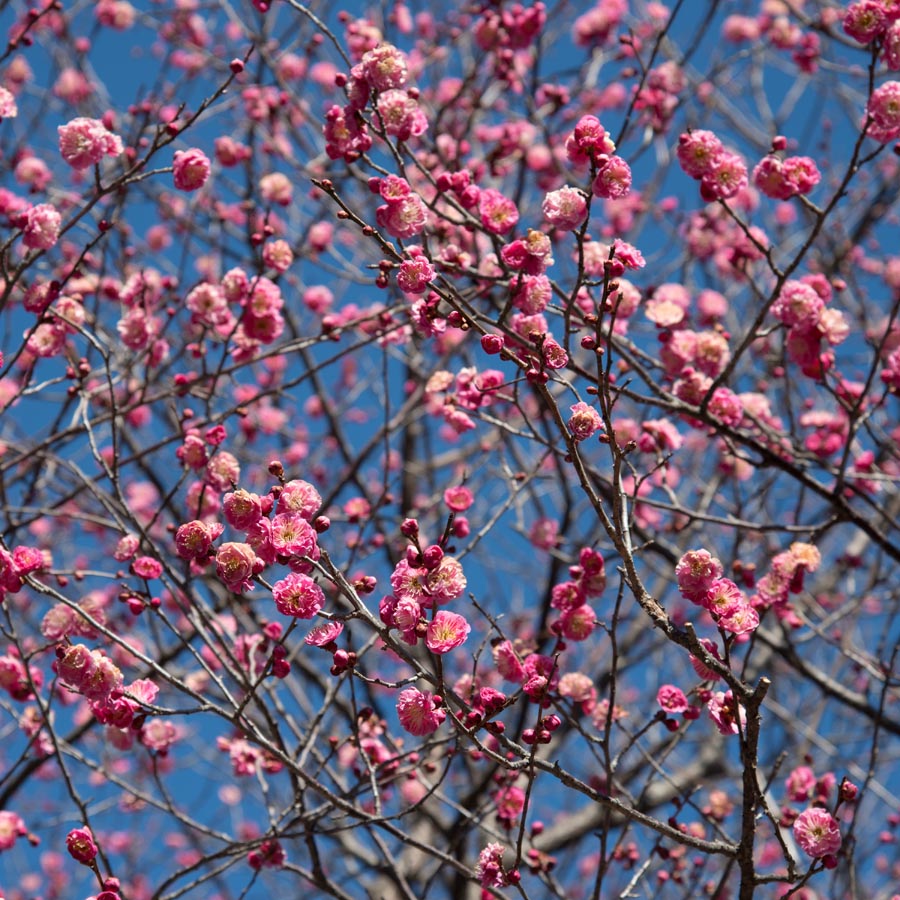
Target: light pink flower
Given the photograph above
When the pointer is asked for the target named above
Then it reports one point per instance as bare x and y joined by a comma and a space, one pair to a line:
190, 169
698, 152
84, 142
696, 571
498, 213
236, 564
584, 421
446, 631
11, 827
417, 712
565, 208
41, 230
817, 833
8, 108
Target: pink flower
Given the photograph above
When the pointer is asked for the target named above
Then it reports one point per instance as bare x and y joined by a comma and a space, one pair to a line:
276, 188
11, 827
81, 846
817, 833
84, 142
300, 497
578, 623
565, 208
8, 108
417, 712
800, 784
884, 108
41, 230
446, 631
726, 177
324, 634
147, 567
292, 535
403, 218
698, 152
444, 583
298, 596
489, 869
236, 564
588, 141
864, 20
193, 540
613, 180
696, 571
415, 273
498, 213
585, 420
385, 68
270, 855
458, 499
724, 711
190, 169
671, 699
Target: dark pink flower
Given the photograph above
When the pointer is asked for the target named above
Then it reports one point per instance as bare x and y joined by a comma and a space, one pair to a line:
417, 712
81, 846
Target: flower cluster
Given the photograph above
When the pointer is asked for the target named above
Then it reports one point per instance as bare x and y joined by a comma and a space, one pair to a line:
721, 173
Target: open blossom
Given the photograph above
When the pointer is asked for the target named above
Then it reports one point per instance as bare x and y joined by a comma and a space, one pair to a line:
498, 213
190, 169
193, 540
489, 868
415, 273
584, 421
236, 564
725, 712
671, 699
84, 142
417, 712
11, 827
613, 180
8, 108
565, 208
884, 108
817, 833
446, 631
696, 572
698, 152
298, 595
41, 229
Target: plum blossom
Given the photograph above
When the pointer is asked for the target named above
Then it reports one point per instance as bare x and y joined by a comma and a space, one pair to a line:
298, 595
884, 110
446, 631
236, 564
81, 846
41, 230
584, 421
565, 208
418, 713
190, 169
671, 699
817, 833
11, 827
84, 142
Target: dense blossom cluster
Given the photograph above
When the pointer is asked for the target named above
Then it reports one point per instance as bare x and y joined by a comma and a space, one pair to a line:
296, 580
